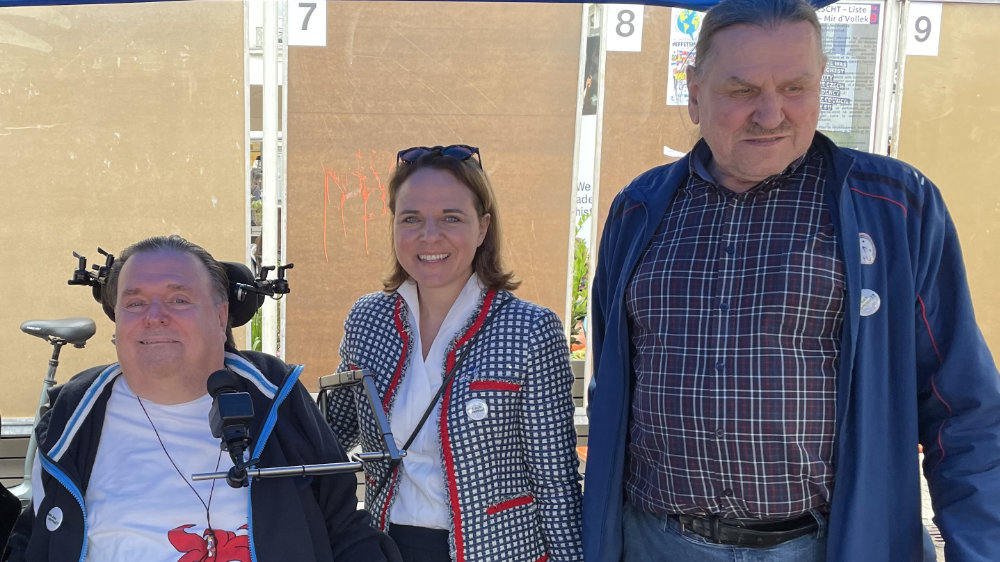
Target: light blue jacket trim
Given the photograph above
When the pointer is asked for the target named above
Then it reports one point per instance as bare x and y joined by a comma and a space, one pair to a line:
83, 410
247, 370
265, 433
49, 466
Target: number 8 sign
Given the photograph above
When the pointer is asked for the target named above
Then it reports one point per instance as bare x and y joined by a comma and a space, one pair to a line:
623, 27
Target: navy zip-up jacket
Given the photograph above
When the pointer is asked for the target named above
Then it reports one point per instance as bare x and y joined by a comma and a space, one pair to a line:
916, 371
292, 518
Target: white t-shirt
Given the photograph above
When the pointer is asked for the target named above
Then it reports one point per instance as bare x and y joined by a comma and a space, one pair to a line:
139, 507
422, 498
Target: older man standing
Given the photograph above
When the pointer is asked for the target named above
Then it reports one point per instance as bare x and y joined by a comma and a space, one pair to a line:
119, 444
778, 322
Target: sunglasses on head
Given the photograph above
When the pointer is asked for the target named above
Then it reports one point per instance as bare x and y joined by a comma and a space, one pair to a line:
461, 152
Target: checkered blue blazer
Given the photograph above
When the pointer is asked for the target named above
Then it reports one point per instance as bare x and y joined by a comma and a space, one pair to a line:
512, 479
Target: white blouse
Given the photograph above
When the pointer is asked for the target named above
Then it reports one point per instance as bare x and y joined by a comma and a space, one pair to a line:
422, 498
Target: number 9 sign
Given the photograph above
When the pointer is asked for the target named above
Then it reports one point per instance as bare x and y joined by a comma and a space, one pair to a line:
923, 29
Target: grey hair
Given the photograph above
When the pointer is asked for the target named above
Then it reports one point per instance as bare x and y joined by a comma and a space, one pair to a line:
761, 13
217, 273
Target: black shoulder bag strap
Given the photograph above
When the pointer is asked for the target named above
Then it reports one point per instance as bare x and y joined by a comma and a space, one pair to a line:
434, 401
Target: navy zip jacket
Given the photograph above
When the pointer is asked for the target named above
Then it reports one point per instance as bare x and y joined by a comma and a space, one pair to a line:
292, 518
916, 371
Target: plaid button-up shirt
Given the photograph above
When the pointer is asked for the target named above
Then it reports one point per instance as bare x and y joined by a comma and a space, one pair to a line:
735, 315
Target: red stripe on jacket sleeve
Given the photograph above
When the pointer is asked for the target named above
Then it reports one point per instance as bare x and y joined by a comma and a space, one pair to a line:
934, 388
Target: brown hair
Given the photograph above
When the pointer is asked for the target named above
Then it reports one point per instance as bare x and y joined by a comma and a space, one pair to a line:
488, 261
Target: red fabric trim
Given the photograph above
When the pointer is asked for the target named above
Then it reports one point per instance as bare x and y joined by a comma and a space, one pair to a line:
471, 331
626, 211
384, 515
397, 317
494, 385
901, 206
544, 558
937, 352
927, 325
449, 460
449, 466
509, 504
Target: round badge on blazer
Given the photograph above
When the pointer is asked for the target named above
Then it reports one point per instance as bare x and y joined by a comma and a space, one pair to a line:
54, 519
867, 249
476, 409
870, 302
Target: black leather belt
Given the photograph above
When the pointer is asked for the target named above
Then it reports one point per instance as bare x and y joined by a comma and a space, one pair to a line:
757, 533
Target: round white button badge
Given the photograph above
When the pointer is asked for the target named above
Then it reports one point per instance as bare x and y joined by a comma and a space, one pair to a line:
54, 519
870, 302
476, 409
867, 249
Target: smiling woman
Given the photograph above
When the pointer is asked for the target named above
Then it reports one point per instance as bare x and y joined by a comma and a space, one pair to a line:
449, 344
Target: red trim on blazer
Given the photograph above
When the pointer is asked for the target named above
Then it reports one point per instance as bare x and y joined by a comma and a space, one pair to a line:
494, 385
449, 460
397, 317
384, 515
487, 301
509, 504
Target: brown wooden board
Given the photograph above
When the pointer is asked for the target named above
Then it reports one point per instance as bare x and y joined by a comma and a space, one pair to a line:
638, 123
397, 74
949, 126
117, 122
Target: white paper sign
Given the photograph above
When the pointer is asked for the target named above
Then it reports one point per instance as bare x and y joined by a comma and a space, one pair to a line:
307, 23
623, 27
923, 29
684, 31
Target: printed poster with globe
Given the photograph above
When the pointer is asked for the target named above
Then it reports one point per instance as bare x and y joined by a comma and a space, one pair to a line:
683, 35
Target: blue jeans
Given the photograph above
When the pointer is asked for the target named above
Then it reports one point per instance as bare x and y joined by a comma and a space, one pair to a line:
651, 537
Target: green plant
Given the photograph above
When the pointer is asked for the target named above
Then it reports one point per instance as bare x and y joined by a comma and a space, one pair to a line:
256, 212
256, 343
578, 306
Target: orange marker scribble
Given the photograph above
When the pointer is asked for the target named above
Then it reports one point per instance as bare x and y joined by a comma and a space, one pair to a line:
364, 190
326, 204
378, 179
329, 175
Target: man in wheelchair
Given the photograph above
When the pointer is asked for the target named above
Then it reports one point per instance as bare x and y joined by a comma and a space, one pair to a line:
118, 446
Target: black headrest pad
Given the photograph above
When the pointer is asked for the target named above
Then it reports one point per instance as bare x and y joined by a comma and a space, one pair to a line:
241, 310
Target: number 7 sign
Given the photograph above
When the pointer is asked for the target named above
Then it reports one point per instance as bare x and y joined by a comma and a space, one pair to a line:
307, 23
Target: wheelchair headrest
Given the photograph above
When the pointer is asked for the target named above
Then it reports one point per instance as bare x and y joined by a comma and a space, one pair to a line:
246, 293
243, 304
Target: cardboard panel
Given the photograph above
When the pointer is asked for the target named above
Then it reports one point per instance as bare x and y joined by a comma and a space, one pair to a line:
948, 130
398, 74
117, 122
638, 123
